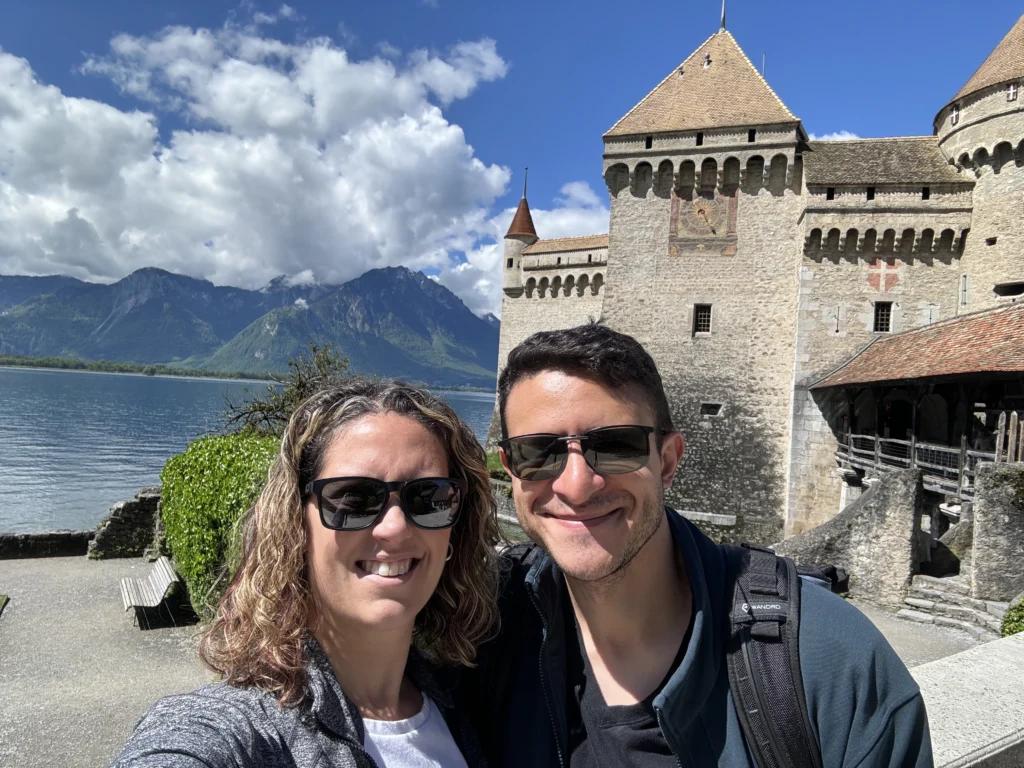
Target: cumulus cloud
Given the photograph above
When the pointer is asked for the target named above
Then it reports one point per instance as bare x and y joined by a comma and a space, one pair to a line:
251, 156
834, 136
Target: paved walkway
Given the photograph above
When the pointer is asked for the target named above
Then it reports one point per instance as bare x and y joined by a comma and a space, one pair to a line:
75, 674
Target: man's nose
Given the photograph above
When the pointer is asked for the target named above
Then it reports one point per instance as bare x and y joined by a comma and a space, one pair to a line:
578, 482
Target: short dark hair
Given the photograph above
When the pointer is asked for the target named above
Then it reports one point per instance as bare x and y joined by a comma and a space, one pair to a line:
592, 351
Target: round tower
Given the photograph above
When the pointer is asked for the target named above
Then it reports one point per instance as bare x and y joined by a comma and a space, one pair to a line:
520, 236
981, 131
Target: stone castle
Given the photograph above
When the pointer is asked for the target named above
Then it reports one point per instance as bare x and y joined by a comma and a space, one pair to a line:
752, 261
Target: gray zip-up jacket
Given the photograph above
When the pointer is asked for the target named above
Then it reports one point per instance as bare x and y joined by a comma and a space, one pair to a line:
222, 726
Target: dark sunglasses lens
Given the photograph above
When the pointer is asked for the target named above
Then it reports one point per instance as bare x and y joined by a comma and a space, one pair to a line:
351, 504
432, 503
536, 457
617, 450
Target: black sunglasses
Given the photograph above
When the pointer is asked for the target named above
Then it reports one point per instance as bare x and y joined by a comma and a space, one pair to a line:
608, 450
356, 503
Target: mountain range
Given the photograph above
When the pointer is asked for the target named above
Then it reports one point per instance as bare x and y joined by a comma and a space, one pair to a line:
388, 321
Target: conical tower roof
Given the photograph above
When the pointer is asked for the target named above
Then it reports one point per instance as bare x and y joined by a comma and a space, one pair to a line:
522, 222
716, 87
1005, 63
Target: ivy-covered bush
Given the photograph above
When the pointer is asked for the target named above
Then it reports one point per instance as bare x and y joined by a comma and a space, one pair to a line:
1013, 621
205, 490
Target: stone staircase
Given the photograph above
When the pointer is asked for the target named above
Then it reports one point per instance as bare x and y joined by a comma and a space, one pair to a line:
947, 602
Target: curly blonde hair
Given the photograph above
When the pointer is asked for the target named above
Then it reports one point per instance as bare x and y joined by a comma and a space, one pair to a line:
262, 621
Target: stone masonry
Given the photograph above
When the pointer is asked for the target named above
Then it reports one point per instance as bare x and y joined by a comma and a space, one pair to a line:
998, 572
874, 539
752, 261
129, 528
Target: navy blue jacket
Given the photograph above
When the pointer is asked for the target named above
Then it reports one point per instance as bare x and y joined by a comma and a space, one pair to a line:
865, 707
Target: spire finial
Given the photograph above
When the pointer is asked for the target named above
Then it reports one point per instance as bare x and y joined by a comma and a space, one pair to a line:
526, 175
723, 14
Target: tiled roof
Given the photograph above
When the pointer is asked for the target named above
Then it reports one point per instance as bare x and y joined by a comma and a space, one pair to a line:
1005, 63
560, 244
728, 92
522, 222
982, 342
879, 161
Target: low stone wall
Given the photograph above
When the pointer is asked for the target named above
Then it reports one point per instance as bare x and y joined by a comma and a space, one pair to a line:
874, 539
130, 527
975, 705
46, 544
998, 532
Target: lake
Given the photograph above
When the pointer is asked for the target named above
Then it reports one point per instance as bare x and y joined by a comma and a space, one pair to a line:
72, 443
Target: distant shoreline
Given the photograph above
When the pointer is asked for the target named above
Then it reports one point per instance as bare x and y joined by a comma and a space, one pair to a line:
163, 371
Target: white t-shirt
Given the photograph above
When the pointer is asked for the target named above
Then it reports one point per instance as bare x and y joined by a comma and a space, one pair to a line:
421, 741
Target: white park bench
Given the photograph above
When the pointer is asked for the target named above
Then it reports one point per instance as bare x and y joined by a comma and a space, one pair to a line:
151, 591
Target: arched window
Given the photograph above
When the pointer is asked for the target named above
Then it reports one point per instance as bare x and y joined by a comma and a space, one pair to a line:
595, 288
531, 286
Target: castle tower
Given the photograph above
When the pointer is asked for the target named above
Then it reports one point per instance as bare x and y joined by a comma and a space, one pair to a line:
519, 237
981, 131
705, 178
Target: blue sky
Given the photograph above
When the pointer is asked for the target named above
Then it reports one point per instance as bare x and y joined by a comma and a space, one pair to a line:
533, 83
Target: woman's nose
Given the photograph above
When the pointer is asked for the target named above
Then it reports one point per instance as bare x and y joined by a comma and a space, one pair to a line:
393, 523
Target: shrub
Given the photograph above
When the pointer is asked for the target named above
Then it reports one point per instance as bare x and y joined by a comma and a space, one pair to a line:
494, 467
268, 414
1013, 621
205, 490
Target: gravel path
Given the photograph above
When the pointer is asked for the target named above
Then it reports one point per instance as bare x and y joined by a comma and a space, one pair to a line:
75, 674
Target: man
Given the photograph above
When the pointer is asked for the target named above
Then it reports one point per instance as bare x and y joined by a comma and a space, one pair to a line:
612, 647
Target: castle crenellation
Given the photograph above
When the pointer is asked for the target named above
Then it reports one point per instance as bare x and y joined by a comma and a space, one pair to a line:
751, 261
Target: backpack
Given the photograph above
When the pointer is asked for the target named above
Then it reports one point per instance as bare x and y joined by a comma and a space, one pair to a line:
763, 653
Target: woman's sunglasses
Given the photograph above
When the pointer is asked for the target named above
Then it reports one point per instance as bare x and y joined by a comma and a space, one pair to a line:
608, 450
355, 503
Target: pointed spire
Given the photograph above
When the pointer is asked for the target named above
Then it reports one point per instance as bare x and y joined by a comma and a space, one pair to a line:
723, 14
1005, 63
522, 222
526, 175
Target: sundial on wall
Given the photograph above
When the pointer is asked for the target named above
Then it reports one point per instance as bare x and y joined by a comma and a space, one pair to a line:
702, 224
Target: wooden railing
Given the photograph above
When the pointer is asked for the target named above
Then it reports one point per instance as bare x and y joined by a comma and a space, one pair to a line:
945, 469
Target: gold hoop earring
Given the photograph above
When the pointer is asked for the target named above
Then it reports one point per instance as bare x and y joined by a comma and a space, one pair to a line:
451, 552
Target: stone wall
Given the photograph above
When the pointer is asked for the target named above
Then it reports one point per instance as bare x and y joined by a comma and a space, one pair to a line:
998, 572
730, 390
874, 539
46, 544
129, 528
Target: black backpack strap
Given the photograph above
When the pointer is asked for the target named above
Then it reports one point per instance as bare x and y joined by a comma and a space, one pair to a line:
763, 656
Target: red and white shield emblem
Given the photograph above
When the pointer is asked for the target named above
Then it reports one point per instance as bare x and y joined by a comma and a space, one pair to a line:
883, 274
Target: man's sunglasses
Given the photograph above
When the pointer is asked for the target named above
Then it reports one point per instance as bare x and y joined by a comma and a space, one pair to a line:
608, 450
356, 503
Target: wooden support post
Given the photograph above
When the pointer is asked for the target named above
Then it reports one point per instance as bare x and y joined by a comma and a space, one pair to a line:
1011, 435
1000, 436
1020, 442
963, 465
913, 427
878, 451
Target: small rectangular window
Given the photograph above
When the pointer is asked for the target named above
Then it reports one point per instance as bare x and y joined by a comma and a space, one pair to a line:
871, 193
509, 265
701, 319
648, 142
830, 193
700, 139
590, 258
991, 240
752, 135
1009, 289
710, 409
558, 261
883, 317
1011, 92
926, 193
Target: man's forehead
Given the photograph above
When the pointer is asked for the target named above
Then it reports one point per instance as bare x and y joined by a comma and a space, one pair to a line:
552, 398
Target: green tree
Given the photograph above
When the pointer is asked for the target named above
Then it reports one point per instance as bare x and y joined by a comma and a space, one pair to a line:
268, 413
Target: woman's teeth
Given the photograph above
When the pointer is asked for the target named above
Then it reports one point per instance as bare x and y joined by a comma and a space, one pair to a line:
379, 568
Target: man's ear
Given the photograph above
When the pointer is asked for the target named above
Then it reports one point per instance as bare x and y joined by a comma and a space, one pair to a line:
504, 460
672, 447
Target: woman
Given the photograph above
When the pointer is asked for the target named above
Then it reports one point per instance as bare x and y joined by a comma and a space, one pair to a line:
368, 565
